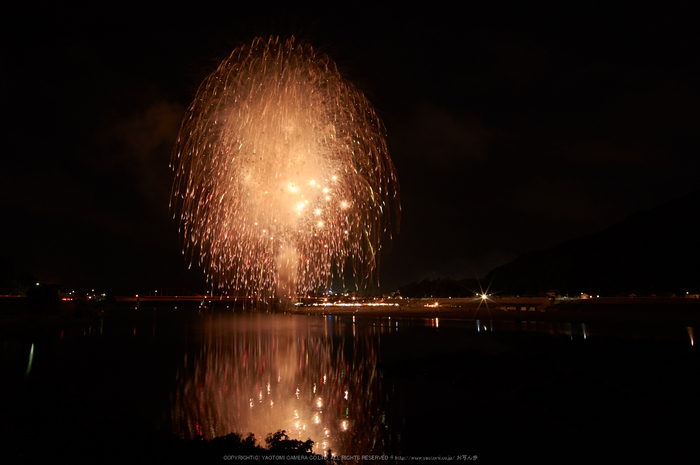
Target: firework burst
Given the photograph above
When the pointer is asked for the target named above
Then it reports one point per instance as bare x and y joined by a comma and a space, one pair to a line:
282, 174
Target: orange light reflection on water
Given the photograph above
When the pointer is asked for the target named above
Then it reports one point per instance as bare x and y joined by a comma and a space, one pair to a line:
264, 373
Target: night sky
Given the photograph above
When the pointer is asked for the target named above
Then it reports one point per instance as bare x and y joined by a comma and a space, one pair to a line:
511, 128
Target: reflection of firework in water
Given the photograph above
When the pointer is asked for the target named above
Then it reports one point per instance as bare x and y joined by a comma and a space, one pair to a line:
261, 375
282, 173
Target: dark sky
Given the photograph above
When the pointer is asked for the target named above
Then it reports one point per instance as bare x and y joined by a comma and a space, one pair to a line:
511, 128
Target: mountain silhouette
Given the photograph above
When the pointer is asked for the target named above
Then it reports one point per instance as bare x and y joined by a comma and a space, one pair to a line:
656, 251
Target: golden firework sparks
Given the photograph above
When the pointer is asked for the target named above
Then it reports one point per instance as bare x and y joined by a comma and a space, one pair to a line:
282, 173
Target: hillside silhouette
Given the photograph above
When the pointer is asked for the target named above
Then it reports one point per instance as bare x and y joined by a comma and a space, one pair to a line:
655, 251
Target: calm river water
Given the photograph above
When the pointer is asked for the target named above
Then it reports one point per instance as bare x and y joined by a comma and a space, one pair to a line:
356, 385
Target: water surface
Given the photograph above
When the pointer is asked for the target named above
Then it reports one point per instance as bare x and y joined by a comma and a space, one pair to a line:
355, 385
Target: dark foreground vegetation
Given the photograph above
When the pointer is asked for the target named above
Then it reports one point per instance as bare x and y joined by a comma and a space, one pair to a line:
121, 448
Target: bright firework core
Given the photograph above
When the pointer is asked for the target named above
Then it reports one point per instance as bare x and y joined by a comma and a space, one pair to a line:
282, 174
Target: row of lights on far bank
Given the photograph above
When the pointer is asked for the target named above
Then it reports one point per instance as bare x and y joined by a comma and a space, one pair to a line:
72, 295
92, 295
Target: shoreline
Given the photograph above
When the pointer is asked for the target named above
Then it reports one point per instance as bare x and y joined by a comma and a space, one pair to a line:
667, 310
646, 311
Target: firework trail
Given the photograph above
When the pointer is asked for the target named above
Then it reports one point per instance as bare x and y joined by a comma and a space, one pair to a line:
282, 174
